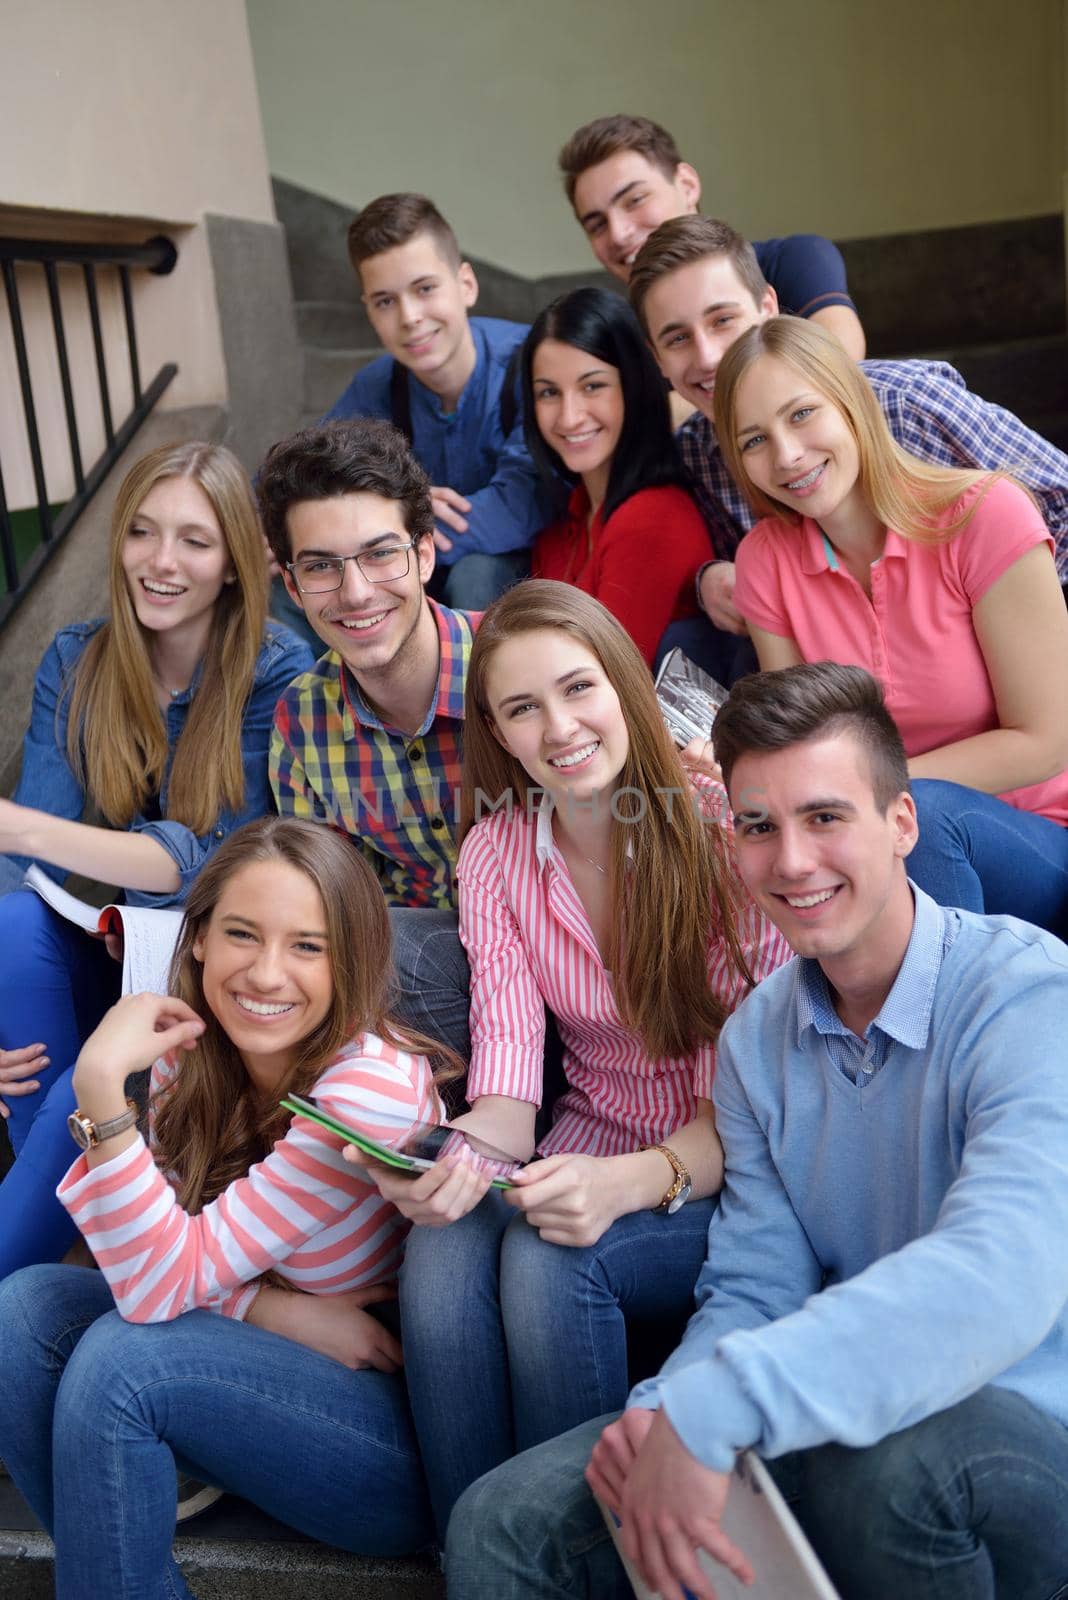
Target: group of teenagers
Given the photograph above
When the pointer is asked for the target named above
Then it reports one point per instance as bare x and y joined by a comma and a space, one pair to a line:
767, 1033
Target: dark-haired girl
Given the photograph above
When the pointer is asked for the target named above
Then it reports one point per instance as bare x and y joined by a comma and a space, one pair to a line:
597, 413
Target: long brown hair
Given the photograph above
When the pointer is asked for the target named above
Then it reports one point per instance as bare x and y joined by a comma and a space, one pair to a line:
210, 1124
906, 494
116, 737
671, 880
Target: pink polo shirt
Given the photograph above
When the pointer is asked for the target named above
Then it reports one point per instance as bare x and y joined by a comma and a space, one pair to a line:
916, 633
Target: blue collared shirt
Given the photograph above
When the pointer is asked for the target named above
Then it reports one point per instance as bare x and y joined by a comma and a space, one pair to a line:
904, 1016
918, 1215
466, 449
932, 414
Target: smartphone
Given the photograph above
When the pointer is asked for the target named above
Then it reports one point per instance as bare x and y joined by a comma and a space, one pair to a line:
417, 1148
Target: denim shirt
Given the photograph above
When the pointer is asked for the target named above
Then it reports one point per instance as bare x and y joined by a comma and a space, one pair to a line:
48, 782
466, 448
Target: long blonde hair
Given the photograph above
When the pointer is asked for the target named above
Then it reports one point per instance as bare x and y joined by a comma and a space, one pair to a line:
210, 1124
906, 494
116, 737
671, 881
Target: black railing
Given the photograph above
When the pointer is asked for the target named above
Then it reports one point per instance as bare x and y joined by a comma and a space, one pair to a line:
158, 255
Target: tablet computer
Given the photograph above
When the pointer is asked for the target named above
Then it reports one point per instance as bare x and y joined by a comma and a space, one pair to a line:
758, 1520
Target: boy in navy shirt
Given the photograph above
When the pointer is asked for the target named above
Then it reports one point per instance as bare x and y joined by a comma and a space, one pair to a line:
624, 177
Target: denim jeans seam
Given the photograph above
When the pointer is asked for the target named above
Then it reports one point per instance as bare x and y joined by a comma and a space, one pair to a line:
976, 1465
571, 1552
51, 1344
329, 1419
176, 1594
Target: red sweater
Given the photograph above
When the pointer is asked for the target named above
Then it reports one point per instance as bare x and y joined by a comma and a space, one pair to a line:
641, 563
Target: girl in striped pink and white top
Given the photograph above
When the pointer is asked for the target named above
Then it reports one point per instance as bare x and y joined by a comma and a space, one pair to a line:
601, 887
278, 986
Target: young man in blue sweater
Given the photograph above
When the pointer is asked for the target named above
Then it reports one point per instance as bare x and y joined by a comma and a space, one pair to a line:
882, 1312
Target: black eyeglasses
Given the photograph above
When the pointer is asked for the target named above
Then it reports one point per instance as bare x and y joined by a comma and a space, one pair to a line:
320, 574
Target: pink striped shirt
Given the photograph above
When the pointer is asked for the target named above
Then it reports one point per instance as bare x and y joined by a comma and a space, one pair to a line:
529, 941
303, 1211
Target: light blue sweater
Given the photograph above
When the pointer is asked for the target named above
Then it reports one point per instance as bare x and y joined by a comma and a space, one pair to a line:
883, 1248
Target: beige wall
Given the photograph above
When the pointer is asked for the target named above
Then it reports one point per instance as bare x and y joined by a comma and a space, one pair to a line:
122, 118
135, 107
849, 117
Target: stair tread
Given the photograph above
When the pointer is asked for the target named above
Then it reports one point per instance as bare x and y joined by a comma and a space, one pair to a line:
236, 1537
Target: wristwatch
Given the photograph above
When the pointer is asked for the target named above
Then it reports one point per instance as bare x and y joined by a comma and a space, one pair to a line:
88, 1134
677, 1195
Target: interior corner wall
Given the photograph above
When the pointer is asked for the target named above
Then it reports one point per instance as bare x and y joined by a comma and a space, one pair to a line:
125, 118
850, 117
142, 108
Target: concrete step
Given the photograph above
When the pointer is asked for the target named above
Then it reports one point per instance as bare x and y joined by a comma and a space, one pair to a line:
1028, 376
232, 1552
328, 373
1053, 426
334, 325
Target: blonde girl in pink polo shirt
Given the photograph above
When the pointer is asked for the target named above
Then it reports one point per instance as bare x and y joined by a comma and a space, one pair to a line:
939, 581
598, 890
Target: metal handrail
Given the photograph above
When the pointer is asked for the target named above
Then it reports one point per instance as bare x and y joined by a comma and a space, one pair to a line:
157, 255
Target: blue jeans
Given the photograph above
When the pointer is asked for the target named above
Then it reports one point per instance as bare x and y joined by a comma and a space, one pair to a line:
966, 1505
95, 1412
509, 1341
725, 656
432, 976
285, 609
474, 581
12, 872
55, 985
977, 852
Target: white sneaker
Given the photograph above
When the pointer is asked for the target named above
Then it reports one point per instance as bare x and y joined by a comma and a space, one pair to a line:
194, 1497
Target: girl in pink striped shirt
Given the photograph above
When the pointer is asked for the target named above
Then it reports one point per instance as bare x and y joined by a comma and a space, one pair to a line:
596, 888
278, 986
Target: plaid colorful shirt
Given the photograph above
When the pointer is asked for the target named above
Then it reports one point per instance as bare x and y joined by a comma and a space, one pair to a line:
932, 414
395, 795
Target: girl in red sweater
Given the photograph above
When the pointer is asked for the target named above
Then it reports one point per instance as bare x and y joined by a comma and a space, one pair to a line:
597, 414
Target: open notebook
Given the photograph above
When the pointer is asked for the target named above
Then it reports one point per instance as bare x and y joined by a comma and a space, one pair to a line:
762, 1525
148, 936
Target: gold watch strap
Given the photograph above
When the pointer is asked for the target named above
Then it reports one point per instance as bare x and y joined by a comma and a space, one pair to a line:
682, 1176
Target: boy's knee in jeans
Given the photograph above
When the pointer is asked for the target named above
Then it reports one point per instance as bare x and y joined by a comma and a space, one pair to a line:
475, 581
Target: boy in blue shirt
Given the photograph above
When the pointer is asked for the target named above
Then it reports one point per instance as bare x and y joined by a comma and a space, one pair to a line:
450, 382
883, 1310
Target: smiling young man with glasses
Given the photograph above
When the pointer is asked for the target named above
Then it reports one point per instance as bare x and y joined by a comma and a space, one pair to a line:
369, 741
